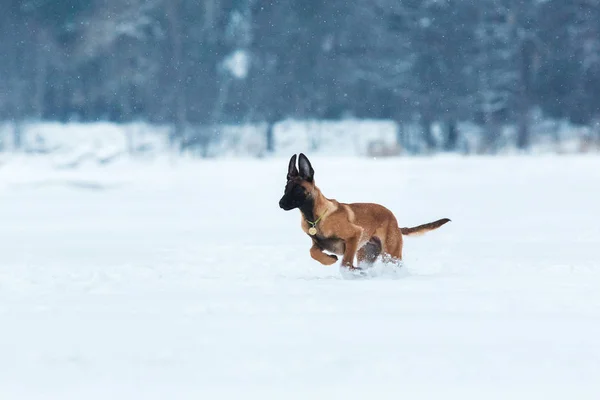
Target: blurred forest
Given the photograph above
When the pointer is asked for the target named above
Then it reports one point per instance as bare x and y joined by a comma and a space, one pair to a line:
204, 62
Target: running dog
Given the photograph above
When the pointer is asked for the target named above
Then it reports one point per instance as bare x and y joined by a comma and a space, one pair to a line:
361, 230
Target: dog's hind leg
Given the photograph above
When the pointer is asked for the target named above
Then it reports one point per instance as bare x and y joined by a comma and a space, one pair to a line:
393, 246
367, 254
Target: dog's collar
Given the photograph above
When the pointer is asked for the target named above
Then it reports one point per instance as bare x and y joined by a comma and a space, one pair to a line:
313, 225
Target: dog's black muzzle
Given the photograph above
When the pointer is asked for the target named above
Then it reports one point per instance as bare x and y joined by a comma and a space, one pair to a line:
286, 205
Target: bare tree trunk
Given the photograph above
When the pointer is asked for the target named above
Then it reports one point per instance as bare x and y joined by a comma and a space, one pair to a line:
596, 128
426, 123
492, 135
526, 54
270, 136
210, 15
16, 102
400, 135
17, 134
523, 131
451, 136
60, 97
125, 97
217, 115
41, 73
178, 70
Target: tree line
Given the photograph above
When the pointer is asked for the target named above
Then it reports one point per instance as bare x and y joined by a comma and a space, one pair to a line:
202, 63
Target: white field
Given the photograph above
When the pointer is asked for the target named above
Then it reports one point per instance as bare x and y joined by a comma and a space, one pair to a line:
186, 281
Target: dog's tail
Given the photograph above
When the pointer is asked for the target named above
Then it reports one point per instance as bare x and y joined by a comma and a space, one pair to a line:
422, 229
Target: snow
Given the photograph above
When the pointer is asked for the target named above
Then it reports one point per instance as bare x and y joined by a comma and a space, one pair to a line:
238, 64
72, 144
85, 142
181, 279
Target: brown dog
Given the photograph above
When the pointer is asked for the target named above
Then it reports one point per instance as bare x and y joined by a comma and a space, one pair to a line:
365, 230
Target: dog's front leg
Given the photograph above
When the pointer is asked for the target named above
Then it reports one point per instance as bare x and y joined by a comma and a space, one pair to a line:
350, 252
317, 253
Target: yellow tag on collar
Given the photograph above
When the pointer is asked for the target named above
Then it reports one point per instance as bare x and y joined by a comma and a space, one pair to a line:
312, 231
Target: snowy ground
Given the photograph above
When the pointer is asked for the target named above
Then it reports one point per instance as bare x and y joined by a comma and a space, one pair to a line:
186, 281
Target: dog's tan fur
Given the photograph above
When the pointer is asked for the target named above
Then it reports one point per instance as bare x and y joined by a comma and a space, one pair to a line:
361, 230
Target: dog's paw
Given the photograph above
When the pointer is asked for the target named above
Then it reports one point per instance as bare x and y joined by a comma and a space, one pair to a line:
331, 259
350, 272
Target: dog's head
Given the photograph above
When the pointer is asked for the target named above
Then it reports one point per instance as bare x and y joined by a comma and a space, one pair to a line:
300, 184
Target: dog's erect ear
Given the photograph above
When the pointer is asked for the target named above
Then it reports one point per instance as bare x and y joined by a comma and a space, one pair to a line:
306, 170
292, 170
